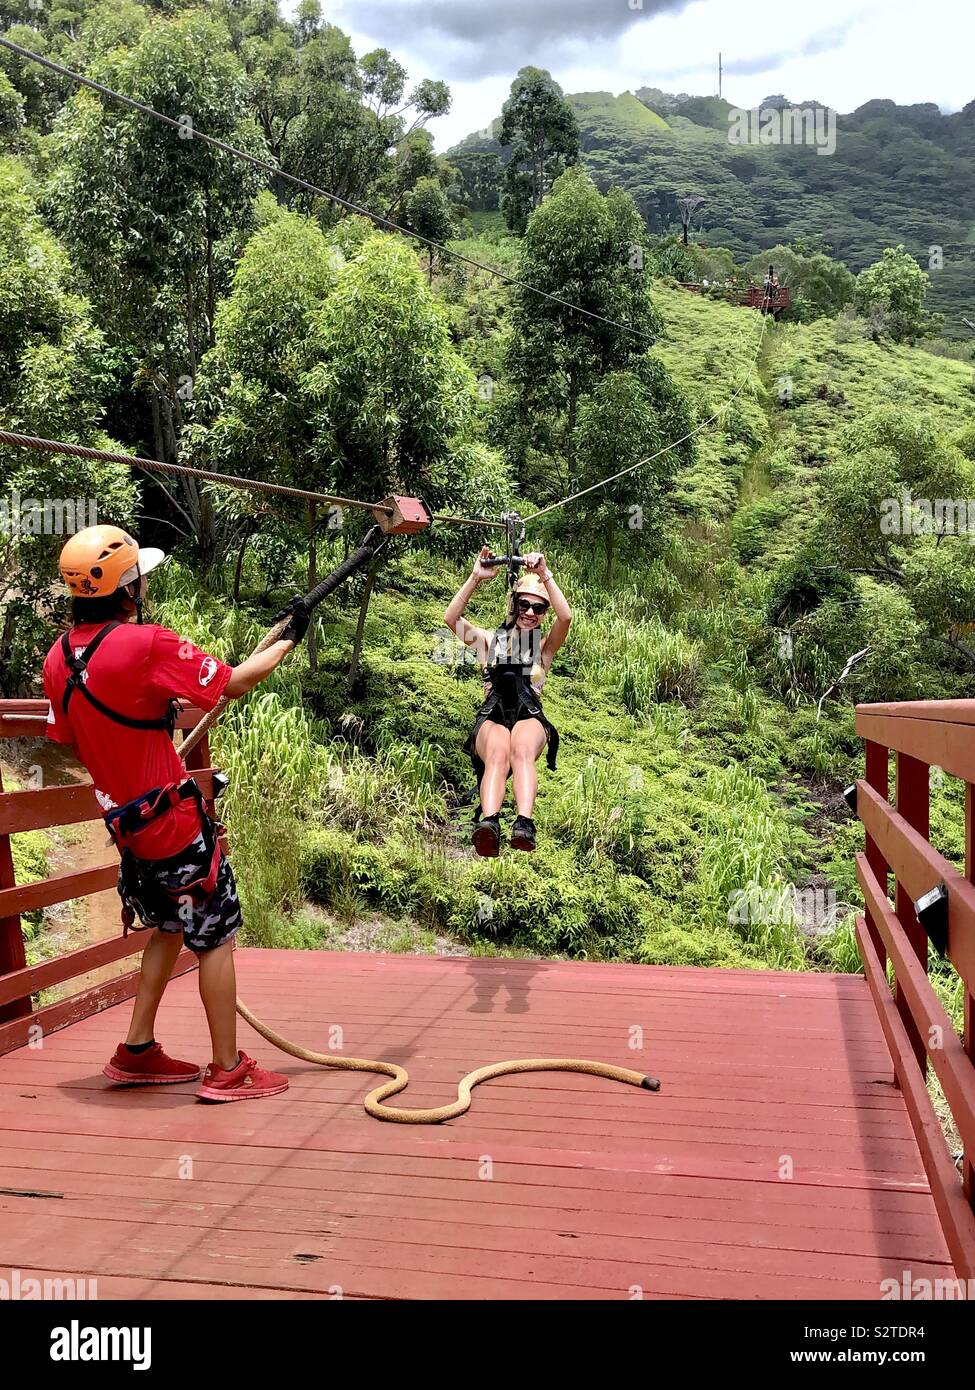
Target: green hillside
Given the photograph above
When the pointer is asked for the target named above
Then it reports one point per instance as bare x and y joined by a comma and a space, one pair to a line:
626, 110
899, 175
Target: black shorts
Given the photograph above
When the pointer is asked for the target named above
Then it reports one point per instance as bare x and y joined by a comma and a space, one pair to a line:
152, 889
495, 713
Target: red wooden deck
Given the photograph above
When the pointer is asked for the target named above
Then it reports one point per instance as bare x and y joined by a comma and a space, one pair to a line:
552, 1186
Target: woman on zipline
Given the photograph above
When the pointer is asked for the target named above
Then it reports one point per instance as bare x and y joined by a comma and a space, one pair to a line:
511, 730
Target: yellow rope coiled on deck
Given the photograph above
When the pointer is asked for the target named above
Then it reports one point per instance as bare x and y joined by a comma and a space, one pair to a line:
374, 1101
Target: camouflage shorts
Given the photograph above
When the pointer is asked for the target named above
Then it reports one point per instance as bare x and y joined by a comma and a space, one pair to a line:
152, 889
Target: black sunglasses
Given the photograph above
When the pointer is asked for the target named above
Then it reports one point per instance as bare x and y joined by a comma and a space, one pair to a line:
526, 606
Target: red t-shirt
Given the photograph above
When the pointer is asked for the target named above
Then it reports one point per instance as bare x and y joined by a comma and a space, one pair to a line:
137, 670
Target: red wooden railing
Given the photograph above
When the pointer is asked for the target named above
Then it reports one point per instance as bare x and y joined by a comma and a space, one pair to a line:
42, 809
921, 735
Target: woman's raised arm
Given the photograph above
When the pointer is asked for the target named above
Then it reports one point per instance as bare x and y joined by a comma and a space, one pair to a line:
454, 617
559, 631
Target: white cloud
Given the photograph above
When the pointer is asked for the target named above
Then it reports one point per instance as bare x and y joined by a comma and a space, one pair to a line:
836, 51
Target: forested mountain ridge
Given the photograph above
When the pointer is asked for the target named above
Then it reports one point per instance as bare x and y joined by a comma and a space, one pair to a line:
899, 175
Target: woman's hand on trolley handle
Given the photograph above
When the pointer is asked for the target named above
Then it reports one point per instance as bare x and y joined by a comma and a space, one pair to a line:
482, 572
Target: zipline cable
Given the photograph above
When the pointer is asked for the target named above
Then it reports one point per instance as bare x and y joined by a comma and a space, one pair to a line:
189, 130
57, 446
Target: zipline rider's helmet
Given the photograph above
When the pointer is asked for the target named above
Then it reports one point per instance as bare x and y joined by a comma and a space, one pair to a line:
531, 586
100, 560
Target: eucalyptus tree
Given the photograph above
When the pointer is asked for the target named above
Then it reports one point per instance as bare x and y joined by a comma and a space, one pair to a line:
153, 217
585, 250
540, 128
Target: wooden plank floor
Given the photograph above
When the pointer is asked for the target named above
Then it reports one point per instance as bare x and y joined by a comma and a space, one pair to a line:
777, 1161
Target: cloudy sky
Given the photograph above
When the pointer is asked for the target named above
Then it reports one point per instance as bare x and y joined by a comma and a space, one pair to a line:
841, 52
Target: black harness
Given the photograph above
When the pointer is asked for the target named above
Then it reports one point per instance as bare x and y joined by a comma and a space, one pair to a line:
512, 697
140, 892
78, 666
139, 888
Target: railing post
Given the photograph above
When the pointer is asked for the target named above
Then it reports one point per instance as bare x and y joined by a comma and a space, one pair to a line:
877, 776
13, 955
913, 803
198, 758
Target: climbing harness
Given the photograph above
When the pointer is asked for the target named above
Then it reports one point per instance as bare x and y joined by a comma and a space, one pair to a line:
141, 892
78, 681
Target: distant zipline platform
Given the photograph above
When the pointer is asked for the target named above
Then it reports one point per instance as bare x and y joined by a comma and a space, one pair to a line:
773, 301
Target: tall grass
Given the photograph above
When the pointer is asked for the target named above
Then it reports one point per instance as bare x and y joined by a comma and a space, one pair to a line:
598, 813
278, 767
398, 789
641, 662
744, 850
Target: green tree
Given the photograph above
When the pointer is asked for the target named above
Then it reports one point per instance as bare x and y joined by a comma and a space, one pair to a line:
586, 249
630, 417
153, 220
390, 394
254, 416
891, 293
428, 213
481, 172
53, 370
896, 508
540, 127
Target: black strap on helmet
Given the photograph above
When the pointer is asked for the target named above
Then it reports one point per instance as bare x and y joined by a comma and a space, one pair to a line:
78, 666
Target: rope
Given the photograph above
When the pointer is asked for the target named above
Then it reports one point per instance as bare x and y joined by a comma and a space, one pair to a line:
554, 506
276, 172
374, 1101
370, 547
56, 446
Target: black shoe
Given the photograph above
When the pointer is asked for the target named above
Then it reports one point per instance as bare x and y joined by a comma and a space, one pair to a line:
523, 833
487, 837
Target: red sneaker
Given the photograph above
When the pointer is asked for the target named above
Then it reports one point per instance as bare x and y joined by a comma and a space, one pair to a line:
247, 1081
149, 1068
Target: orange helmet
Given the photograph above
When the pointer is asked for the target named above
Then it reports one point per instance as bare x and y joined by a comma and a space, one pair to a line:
102, 559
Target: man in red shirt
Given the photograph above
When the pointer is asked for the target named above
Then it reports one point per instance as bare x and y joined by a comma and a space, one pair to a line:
112, 683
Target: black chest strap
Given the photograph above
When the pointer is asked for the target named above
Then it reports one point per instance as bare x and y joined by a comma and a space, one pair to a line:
77, 680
